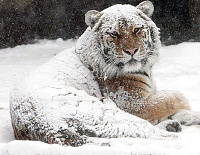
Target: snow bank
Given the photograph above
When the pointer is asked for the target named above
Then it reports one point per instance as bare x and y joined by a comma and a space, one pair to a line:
113, 146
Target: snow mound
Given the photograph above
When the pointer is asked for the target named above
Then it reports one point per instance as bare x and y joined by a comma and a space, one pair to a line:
119, 146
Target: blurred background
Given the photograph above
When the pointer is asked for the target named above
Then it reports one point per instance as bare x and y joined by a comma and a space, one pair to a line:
24, 21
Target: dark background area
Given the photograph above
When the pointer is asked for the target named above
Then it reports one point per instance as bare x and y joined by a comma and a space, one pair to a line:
23, 21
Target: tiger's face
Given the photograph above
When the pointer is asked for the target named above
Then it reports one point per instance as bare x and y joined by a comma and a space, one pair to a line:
125, 41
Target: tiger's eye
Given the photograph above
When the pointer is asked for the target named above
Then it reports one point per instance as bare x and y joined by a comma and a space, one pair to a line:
136, 30
114, 34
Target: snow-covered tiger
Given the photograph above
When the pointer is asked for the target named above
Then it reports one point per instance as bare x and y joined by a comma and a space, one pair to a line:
100, 87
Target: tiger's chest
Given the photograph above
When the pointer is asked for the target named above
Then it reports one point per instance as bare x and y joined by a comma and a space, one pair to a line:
127, 91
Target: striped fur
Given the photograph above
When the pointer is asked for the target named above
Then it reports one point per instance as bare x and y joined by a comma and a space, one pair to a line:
127, 78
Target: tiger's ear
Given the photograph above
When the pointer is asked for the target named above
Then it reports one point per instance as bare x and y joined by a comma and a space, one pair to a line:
146, 7
92, 17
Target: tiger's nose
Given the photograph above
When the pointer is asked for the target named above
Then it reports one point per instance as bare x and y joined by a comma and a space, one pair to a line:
131, 52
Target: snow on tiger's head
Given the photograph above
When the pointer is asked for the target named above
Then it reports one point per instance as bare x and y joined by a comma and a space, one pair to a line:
124, 39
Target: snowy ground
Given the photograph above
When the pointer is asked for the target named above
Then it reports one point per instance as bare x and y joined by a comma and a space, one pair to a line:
178, 69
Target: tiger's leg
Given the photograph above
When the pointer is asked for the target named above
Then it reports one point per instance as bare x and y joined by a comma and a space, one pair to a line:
174, 105
162, 105
187, 117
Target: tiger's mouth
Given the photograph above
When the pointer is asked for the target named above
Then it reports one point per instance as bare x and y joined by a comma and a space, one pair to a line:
132, 61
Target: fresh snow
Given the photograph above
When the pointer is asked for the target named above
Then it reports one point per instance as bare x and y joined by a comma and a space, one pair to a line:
178, 69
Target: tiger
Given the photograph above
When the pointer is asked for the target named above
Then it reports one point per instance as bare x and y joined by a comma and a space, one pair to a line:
125, 49
111, 92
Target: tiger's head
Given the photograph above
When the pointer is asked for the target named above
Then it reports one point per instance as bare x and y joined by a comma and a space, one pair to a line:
124, 39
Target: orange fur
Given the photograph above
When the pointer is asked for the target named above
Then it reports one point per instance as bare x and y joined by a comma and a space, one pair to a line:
142, 101
126, 38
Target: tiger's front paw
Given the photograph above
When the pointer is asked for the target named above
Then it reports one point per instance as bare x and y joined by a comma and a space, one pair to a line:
187, 117
174, 127
170, 125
